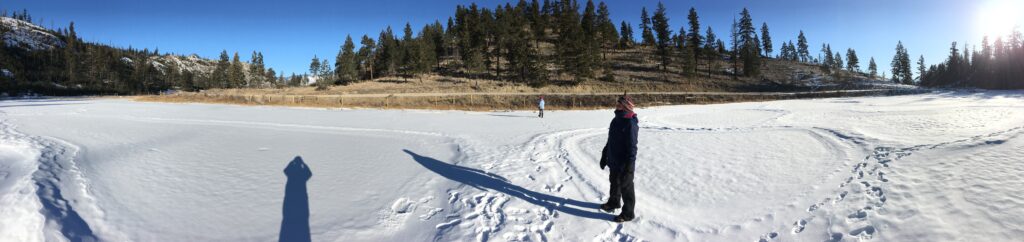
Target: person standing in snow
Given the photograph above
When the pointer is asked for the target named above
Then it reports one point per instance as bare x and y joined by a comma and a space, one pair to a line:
540, 105
619, 154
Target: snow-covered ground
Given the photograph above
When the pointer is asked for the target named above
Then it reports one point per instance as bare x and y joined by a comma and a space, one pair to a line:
932, 167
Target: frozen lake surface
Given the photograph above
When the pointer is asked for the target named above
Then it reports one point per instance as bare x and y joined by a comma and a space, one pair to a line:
933, 167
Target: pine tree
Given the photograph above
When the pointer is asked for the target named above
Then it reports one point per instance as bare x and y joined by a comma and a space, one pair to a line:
236, 75
827, 61
523, 62
71, 55
711, 50
547, 10
220, 73
314, 70
901, 65
694, 40
470, 38
908, 76
388, 53
687, 62
788, 52
986, 49
872, 68
921, 69
571, 46
784, 51
802, 48
852, 62
367, 56
410, 52
591, 34
345, 62
538, 22
660, 24
766, 40
626, 40
750, 51
326, 73
269, 77
435, 40
954, 63
609, 37
734, 52
838, 62
647, 36
679, 40
490, 39
451, 39
256, 70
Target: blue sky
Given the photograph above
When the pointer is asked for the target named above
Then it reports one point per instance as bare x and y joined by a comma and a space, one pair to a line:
289, 33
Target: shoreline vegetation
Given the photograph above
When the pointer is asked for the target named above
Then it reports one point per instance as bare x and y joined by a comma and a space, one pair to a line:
501, 101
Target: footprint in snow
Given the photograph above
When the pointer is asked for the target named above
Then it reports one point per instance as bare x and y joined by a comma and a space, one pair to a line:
769, 236
857, 216
799, 226
402, 205
840, 198
864, 233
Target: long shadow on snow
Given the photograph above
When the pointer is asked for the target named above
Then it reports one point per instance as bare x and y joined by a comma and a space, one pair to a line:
486, 181
295, 219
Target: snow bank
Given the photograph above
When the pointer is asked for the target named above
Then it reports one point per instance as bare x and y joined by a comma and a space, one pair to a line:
19, 206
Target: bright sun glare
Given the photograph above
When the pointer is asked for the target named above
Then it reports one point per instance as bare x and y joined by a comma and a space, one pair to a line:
999, 17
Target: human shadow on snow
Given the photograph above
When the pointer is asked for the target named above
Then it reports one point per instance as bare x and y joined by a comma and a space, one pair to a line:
295, 219
486, 181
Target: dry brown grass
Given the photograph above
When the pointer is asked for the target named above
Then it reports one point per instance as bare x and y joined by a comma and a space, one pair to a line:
497, 101
633, 70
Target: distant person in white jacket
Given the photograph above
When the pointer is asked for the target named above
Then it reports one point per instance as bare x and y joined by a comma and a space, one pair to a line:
540, 105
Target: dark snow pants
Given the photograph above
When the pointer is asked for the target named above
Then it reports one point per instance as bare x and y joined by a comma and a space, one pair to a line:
541, 113
622, 188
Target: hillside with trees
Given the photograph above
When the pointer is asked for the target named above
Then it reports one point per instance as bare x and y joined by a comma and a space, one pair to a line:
57, 62
540, 43
532, 44
996, 65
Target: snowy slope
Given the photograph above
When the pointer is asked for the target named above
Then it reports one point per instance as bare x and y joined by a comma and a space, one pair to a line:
17, 33
933, 167
31, 37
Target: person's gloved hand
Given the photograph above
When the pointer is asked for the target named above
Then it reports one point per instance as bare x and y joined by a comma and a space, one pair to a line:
604, 162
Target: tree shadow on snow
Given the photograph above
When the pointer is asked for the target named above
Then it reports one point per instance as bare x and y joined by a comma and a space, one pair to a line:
295, 219
486, 181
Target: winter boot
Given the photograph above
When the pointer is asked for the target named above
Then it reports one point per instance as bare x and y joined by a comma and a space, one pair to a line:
608, 208
620, 219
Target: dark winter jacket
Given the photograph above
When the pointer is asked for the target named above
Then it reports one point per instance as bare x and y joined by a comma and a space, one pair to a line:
620, 151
